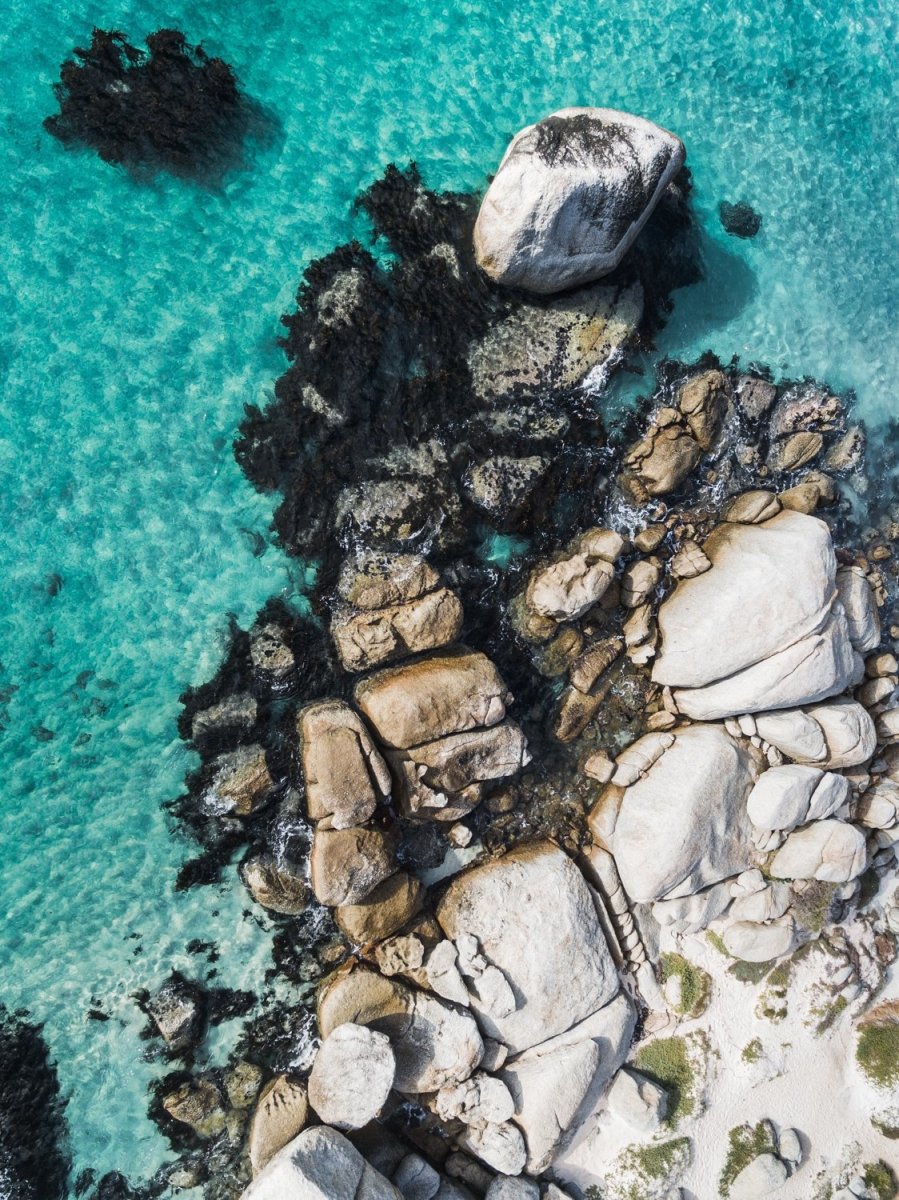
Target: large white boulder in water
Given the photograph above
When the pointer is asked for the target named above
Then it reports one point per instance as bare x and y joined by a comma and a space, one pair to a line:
764, 628
570, 196
320, 1164
684, 825
534, 921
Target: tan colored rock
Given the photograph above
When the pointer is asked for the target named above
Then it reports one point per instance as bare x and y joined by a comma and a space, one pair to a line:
639, 581
567, 589
434, 1043
594, 661
241, 783
199, 1104
662, 461
795, 451
601, 543
345, 775
432, 698
276, 886
574, 712
368, 638
281, 1113
436, 779
650, 538
690, 560
387, 908
375, 580
752, 508
346, 865
703, 401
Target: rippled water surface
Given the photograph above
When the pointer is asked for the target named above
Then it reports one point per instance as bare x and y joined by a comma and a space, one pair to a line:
139, 318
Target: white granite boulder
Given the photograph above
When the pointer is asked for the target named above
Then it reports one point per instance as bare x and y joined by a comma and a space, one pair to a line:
764, 628
352, 1076
764, 1175
534, 920
828, 850
570, 196
637, 1101
683, 825
435, 1044
557, 1084
320, 1164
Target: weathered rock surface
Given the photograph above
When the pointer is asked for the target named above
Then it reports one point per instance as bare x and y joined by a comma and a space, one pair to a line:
178, 1011
384, 910
434, 1043
558, 1083
684, 825
370, 637
754, 942
638, 1101
352, 1076
558, 344
829, 850
241, 783
320, 1164
567, 589
557, 978
570, 196
280, 1114
344, 773
761, 1177
433, 698
861, 609
434, 778
764, 628
346, 865
277, 886
782, 797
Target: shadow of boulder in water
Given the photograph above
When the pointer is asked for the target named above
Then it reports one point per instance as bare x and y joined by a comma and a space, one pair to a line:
168, 108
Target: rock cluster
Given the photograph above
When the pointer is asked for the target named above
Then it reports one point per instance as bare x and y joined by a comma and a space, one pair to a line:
704, 735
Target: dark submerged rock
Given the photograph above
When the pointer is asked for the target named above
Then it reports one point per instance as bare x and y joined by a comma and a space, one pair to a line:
740, 219
34, 1157
170, 107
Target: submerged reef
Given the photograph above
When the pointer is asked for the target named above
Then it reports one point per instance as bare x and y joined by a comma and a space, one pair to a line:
170, 107
34, 1158
581, 753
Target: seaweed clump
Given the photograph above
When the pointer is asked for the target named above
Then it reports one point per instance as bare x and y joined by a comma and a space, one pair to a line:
34, 1160
170, 107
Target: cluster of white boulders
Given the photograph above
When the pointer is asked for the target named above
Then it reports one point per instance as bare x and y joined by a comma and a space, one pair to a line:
777, 769
769, 762
508, 1038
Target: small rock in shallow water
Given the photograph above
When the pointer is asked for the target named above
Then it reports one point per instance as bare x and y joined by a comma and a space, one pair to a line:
740, 219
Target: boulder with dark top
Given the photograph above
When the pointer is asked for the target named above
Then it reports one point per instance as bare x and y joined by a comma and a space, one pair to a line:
740, 219
571, 195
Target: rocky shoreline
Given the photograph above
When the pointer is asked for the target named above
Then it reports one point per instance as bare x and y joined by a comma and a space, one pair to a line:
570, 705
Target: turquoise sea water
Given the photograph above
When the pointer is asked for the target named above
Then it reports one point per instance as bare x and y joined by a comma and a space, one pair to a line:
138, 319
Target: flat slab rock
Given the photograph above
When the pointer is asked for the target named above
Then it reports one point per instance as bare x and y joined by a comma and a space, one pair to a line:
534, 920
570, 196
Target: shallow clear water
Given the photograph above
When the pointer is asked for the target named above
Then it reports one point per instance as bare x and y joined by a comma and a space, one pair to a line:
137, 320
